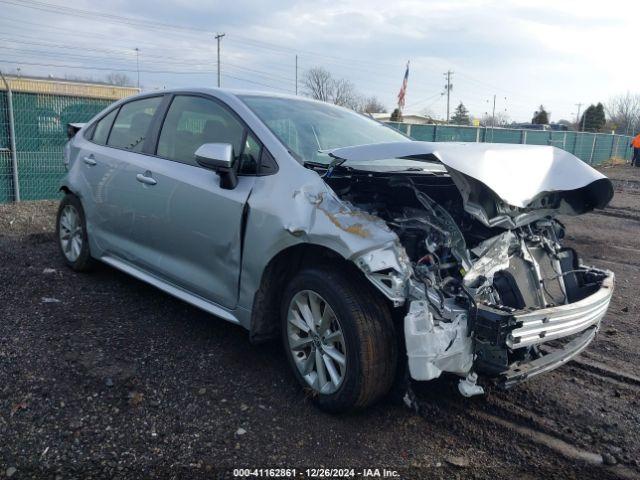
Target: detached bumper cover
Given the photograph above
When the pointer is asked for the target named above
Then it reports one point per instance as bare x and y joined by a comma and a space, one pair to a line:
561, 321
520, 373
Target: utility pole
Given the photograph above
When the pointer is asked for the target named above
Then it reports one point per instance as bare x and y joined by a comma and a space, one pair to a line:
218, 37
138, 65
579, 105
448, 88
493, 113
296, 74
493, 117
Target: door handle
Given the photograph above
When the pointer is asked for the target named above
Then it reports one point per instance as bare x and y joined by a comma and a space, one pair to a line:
146, 180
89, 160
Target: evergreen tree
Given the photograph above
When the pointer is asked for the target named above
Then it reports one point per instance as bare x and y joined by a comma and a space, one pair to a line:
396, 115
540, 117
460, 115
593, 118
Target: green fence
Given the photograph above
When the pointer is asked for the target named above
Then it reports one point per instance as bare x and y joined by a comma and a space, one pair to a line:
592, 148
40, 133
41, 110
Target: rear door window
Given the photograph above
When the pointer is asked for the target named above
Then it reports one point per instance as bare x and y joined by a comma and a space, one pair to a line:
103, 127
132, 124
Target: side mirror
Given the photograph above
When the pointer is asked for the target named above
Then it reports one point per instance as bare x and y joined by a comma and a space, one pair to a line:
219, 158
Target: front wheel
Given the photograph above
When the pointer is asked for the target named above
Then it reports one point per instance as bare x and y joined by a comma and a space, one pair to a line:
339, 338
71, 231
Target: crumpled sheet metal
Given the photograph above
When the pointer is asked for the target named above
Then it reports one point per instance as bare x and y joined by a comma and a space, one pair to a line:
321, 212
493, 256
318, 215
517, 174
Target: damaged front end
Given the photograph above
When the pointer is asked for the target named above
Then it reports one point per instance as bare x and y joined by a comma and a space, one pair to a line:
479, 267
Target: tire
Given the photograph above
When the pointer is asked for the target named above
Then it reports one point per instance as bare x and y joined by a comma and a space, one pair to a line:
368, 347
73, 241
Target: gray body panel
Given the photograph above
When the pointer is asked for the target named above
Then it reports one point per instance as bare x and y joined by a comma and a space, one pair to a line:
184, 232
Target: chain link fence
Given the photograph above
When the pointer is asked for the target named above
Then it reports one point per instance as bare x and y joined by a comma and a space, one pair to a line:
42, 108
592, 148
41, 111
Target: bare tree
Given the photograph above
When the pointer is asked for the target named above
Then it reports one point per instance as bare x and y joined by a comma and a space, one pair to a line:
428, 112
318, 84
501, 120
345, 95
78, 78
372, 105
624, 112
120, 79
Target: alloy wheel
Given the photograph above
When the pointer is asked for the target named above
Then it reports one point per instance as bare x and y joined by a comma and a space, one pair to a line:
316, 342
70, 233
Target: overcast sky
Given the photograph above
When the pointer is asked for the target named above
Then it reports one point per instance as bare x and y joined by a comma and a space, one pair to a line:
555, 52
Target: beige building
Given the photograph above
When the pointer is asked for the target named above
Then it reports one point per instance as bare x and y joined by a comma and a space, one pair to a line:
413, 118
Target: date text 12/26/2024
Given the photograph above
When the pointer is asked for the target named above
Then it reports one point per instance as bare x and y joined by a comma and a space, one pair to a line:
316, 472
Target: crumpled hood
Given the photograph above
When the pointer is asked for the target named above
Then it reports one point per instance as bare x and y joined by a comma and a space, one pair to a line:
528, 177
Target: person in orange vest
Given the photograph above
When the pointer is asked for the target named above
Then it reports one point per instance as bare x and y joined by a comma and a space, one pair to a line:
635, 143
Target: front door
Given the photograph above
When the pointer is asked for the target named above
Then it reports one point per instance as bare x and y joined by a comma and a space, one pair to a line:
187, 227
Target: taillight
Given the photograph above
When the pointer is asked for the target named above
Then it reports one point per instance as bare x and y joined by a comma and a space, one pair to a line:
66, 152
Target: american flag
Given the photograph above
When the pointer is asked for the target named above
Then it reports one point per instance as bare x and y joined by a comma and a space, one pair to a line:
403, 89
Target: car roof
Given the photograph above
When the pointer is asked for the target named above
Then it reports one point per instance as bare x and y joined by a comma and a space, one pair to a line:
226, 93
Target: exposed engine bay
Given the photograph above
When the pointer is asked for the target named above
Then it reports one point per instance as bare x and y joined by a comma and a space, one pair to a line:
479, 297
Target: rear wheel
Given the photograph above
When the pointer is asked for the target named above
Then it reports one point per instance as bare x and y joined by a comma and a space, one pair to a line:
339, 338
71, 231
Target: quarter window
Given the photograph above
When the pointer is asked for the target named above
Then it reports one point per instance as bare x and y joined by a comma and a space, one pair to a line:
103, 126
132, 124
250, 157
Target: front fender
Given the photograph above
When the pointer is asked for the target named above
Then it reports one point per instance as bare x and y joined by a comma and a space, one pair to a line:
312, 213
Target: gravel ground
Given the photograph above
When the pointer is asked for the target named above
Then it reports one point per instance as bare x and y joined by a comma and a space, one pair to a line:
104, 376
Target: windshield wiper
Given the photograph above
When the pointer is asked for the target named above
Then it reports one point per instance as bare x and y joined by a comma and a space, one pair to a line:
416, 169
335, 163
328, 167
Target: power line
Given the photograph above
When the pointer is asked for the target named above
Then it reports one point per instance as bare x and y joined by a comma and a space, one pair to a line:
154, 25
257, 83
18, 23
253, 72
425, 100
118, 19
85, 67
373, 69
161, 59
174, 72
110, 17
508, 91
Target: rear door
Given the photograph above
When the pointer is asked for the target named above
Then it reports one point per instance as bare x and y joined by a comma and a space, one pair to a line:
94, 167
119, 148
189, 228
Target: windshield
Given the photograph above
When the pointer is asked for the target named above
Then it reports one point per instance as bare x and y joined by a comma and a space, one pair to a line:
305, 127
